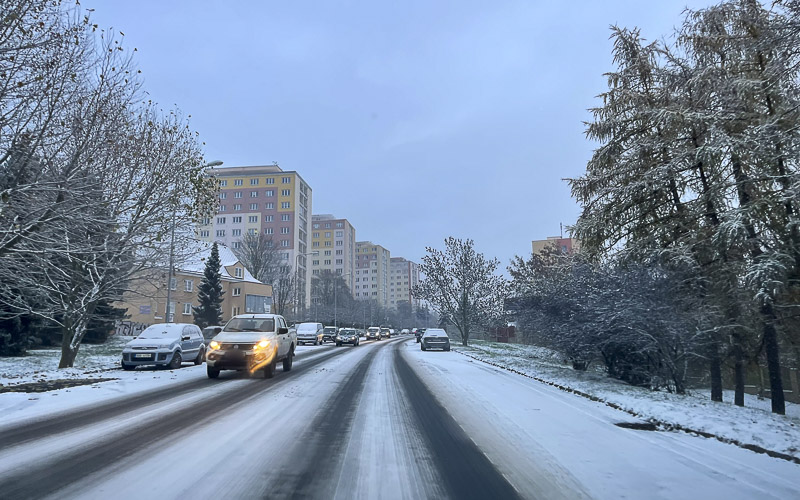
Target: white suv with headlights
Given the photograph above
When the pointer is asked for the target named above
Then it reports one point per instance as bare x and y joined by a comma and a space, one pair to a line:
252, 342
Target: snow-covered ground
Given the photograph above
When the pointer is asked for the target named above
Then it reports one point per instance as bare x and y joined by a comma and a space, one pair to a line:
751, 425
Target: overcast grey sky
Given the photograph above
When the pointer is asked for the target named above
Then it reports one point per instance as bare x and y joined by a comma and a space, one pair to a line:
415, 119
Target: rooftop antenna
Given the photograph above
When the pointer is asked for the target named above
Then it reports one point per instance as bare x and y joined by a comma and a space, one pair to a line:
561, 229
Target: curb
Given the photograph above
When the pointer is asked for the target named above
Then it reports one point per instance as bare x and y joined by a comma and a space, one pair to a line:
659, 423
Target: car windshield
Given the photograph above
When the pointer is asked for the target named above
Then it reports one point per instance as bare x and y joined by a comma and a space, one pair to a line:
250, 325
347, 332
330, 329
159, 332
374, 330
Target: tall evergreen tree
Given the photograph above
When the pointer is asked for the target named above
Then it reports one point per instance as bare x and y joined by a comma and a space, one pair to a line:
209, 293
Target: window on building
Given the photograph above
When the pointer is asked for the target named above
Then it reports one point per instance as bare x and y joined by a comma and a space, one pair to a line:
238, 182
269, 193
315, 243
252, 218
257, 304
340, 224
223, 183
187, 308
339, 252
270, 180
316, 226
220, 233
236, 232
269, 206
327, 243
254, 182
327, 252
286, 180
223, 195
340, 243
339, 261
253, 231
286, 217
236, 292
315, 272
284, 230
339, 234
286, 192
327, 234
327, 262
237, 272
237, 194
253, 194
173, 283
269, 230
238, 206
268, 218
204, 234
222, 208
284, 243
235, 311
254, 206
315, 262
286, 204
327, 225
237, 245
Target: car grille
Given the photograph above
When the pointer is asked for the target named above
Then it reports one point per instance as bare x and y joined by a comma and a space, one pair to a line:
237, 346
139, 348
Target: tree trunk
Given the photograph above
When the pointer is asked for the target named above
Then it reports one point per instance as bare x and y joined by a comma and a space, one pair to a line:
67, 352
773, 359
716, 374
738, 372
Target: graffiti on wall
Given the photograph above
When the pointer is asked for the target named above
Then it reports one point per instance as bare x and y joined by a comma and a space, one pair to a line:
128, 328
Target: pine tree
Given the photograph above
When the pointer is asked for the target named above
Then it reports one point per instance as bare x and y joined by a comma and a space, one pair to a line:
209, 293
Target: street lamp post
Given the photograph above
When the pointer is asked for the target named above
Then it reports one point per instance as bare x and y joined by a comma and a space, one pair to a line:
335, 317
168, 313
297, 281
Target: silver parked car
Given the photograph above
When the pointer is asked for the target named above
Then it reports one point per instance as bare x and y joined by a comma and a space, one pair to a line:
435, 338
165, 345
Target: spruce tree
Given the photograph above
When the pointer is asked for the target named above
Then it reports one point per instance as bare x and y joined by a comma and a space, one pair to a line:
209, 293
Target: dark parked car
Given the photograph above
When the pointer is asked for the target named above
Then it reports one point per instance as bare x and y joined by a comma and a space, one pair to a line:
347, 336
435, 338
329, 334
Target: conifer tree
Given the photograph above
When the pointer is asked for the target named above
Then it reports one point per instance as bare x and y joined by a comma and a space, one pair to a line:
209, 293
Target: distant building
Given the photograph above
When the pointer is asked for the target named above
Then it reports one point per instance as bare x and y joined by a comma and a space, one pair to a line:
335, 239
268, 200
372, 273
146, 302
403, 275
564, 245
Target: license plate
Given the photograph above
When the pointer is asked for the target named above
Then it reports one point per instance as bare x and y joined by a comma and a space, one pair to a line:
145, 356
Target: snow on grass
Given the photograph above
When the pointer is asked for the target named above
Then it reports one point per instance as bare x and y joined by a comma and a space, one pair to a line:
752, 426
42, 364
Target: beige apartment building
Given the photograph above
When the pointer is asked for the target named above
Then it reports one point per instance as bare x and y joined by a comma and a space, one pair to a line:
372, 273
335, 240
268, 200
403, 275
242, 293
564, 245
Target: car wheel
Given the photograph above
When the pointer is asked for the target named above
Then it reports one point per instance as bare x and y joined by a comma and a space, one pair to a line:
200, 356
212, 372
176, 361
338, 344
269, 370
128, 367
287, 361
447, 348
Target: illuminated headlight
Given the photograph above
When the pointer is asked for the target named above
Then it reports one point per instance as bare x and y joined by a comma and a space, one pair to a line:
339, 337
261, 345
214, 344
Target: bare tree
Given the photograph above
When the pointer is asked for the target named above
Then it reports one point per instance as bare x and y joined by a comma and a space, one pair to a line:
258, 253
460, 283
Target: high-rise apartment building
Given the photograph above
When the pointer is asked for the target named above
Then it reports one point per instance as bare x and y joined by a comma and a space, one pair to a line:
403, 275
335, 240
563, 245
268, 200
372, 273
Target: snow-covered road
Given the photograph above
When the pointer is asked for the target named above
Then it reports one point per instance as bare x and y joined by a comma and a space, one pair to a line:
382, 420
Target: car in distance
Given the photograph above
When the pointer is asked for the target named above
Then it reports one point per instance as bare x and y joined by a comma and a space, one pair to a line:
435, 338
210, 332
165, 345
329, 334
252, 342
310, 333
404, 331
387, 333
347, 336
419, 333
373, 333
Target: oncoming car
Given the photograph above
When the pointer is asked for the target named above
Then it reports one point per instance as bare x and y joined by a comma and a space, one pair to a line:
347, 336
435, 338
251, 342
373, 333
165, 345
329, 334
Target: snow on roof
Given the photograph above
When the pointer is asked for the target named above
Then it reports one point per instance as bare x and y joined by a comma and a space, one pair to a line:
198, 252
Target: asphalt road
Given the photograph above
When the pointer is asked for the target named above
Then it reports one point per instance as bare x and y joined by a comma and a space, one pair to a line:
343, 423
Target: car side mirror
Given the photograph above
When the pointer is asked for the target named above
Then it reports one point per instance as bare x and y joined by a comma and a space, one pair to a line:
186, 338
283, 330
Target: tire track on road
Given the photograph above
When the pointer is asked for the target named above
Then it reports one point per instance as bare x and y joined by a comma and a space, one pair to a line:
51, 475
82, 417
328, 437
466, 471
